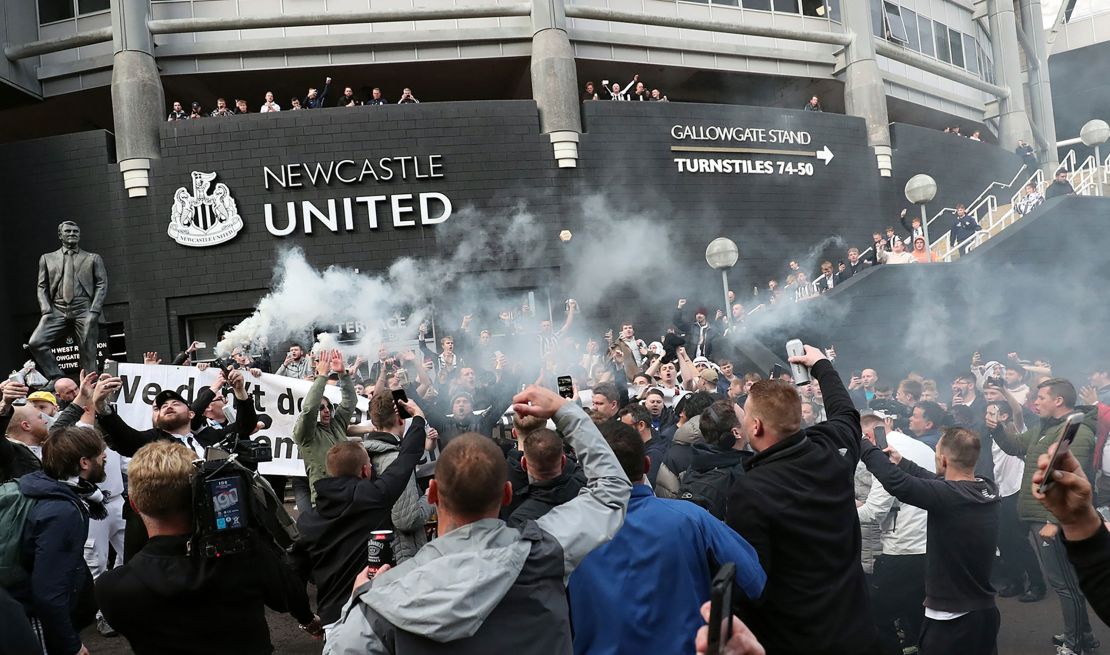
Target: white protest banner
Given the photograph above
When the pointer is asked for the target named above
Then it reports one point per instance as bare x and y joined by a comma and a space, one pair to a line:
277, 400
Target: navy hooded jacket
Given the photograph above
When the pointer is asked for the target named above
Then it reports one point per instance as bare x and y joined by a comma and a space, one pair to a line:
53, 552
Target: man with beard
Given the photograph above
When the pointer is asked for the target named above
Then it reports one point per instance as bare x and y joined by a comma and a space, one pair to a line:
66, 496
701, 334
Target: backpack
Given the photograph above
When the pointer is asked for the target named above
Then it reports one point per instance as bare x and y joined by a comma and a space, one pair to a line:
707, 489
14, 510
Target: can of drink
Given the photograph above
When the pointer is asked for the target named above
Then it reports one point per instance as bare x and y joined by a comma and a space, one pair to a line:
379, 551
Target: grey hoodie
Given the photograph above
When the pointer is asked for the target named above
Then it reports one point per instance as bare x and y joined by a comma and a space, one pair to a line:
410, 512
486, 587
666, 481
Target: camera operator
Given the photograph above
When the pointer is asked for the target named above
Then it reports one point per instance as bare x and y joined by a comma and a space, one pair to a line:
169, 600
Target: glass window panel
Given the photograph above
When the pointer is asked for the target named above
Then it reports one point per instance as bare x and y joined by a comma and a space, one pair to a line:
957, 46
877, 21
786, 6
971, 53
814, 8
758, 4
941, 34
926, 26
54, 10
834, 9
895, 26
90, 6
910, 19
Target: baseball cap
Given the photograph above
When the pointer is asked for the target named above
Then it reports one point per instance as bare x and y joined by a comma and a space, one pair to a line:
709, 375
43, 395
167, 395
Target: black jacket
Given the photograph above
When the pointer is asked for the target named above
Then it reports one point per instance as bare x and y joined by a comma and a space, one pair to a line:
1091, 558
796, 505
16, 459
539, 498
331, 549
167, 602
962, 532
656, 448
693, 334
126, 440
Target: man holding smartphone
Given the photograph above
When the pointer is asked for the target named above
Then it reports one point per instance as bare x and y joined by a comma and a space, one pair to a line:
1055, 400
962, 534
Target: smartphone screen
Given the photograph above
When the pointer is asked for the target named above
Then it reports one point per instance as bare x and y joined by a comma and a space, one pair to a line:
566, 386
399, 394
880, 437
111, 367
720, 608
1063, 444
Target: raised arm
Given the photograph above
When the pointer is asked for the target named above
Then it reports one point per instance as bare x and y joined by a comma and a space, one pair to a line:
842, 422
723, 544
907, 481
596, 514
391, 482
305, 427
1012, 444
246, 418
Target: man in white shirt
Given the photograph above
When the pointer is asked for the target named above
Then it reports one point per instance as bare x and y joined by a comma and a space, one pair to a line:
898, 581
269, 105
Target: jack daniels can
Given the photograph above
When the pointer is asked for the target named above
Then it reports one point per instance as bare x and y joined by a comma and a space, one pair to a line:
379, 551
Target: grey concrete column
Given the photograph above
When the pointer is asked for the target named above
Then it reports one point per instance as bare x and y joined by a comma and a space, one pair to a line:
555, 80
1040, 89
137, 97
1013, 120
864, 90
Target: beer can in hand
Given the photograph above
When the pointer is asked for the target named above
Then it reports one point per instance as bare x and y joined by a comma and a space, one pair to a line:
379, 551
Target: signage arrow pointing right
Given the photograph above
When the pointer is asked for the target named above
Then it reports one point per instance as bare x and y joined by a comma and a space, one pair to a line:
825, 155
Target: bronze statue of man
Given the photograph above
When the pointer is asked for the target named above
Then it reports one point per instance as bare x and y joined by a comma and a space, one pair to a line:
72, 286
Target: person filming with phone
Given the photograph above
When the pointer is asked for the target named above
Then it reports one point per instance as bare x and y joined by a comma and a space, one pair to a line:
1054, 402
355, 499
1083, 528
962, 534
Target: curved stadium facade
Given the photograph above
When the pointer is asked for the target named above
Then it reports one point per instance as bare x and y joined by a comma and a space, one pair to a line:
501, 125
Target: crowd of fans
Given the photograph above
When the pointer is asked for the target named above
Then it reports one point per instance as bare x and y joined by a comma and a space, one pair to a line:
634, 91
314, 98
861, 516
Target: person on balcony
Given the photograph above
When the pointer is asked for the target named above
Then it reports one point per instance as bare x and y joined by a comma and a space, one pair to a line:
1030, 201
1060, 186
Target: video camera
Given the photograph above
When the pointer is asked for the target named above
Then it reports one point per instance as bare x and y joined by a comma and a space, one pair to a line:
250, 453
232, 506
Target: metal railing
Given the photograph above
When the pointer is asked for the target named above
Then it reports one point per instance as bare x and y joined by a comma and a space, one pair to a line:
1086, 178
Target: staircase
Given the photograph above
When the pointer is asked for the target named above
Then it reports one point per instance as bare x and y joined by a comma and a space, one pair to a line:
1088, 179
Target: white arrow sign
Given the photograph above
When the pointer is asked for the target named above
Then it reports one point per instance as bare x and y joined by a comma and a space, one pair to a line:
825, 155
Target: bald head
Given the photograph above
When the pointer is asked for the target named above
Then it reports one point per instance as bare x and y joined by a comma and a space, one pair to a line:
27, 426
471, 476
65, 390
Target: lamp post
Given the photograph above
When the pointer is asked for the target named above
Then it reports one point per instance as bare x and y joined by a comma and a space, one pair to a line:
920, 190
721, 255
1095, 133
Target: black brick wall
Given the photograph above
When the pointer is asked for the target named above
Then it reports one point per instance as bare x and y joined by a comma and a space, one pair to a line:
494, 158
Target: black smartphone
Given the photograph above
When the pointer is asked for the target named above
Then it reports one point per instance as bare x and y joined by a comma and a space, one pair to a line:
777, 371
565, 384
1063, 444
720, 608
399, 394
857, 374
880, 437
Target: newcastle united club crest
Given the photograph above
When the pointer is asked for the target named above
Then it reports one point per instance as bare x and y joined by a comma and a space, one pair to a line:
202, 218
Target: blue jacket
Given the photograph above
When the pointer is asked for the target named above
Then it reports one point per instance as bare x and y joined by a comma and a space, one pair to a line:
53, 551
931, 439
642, 591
